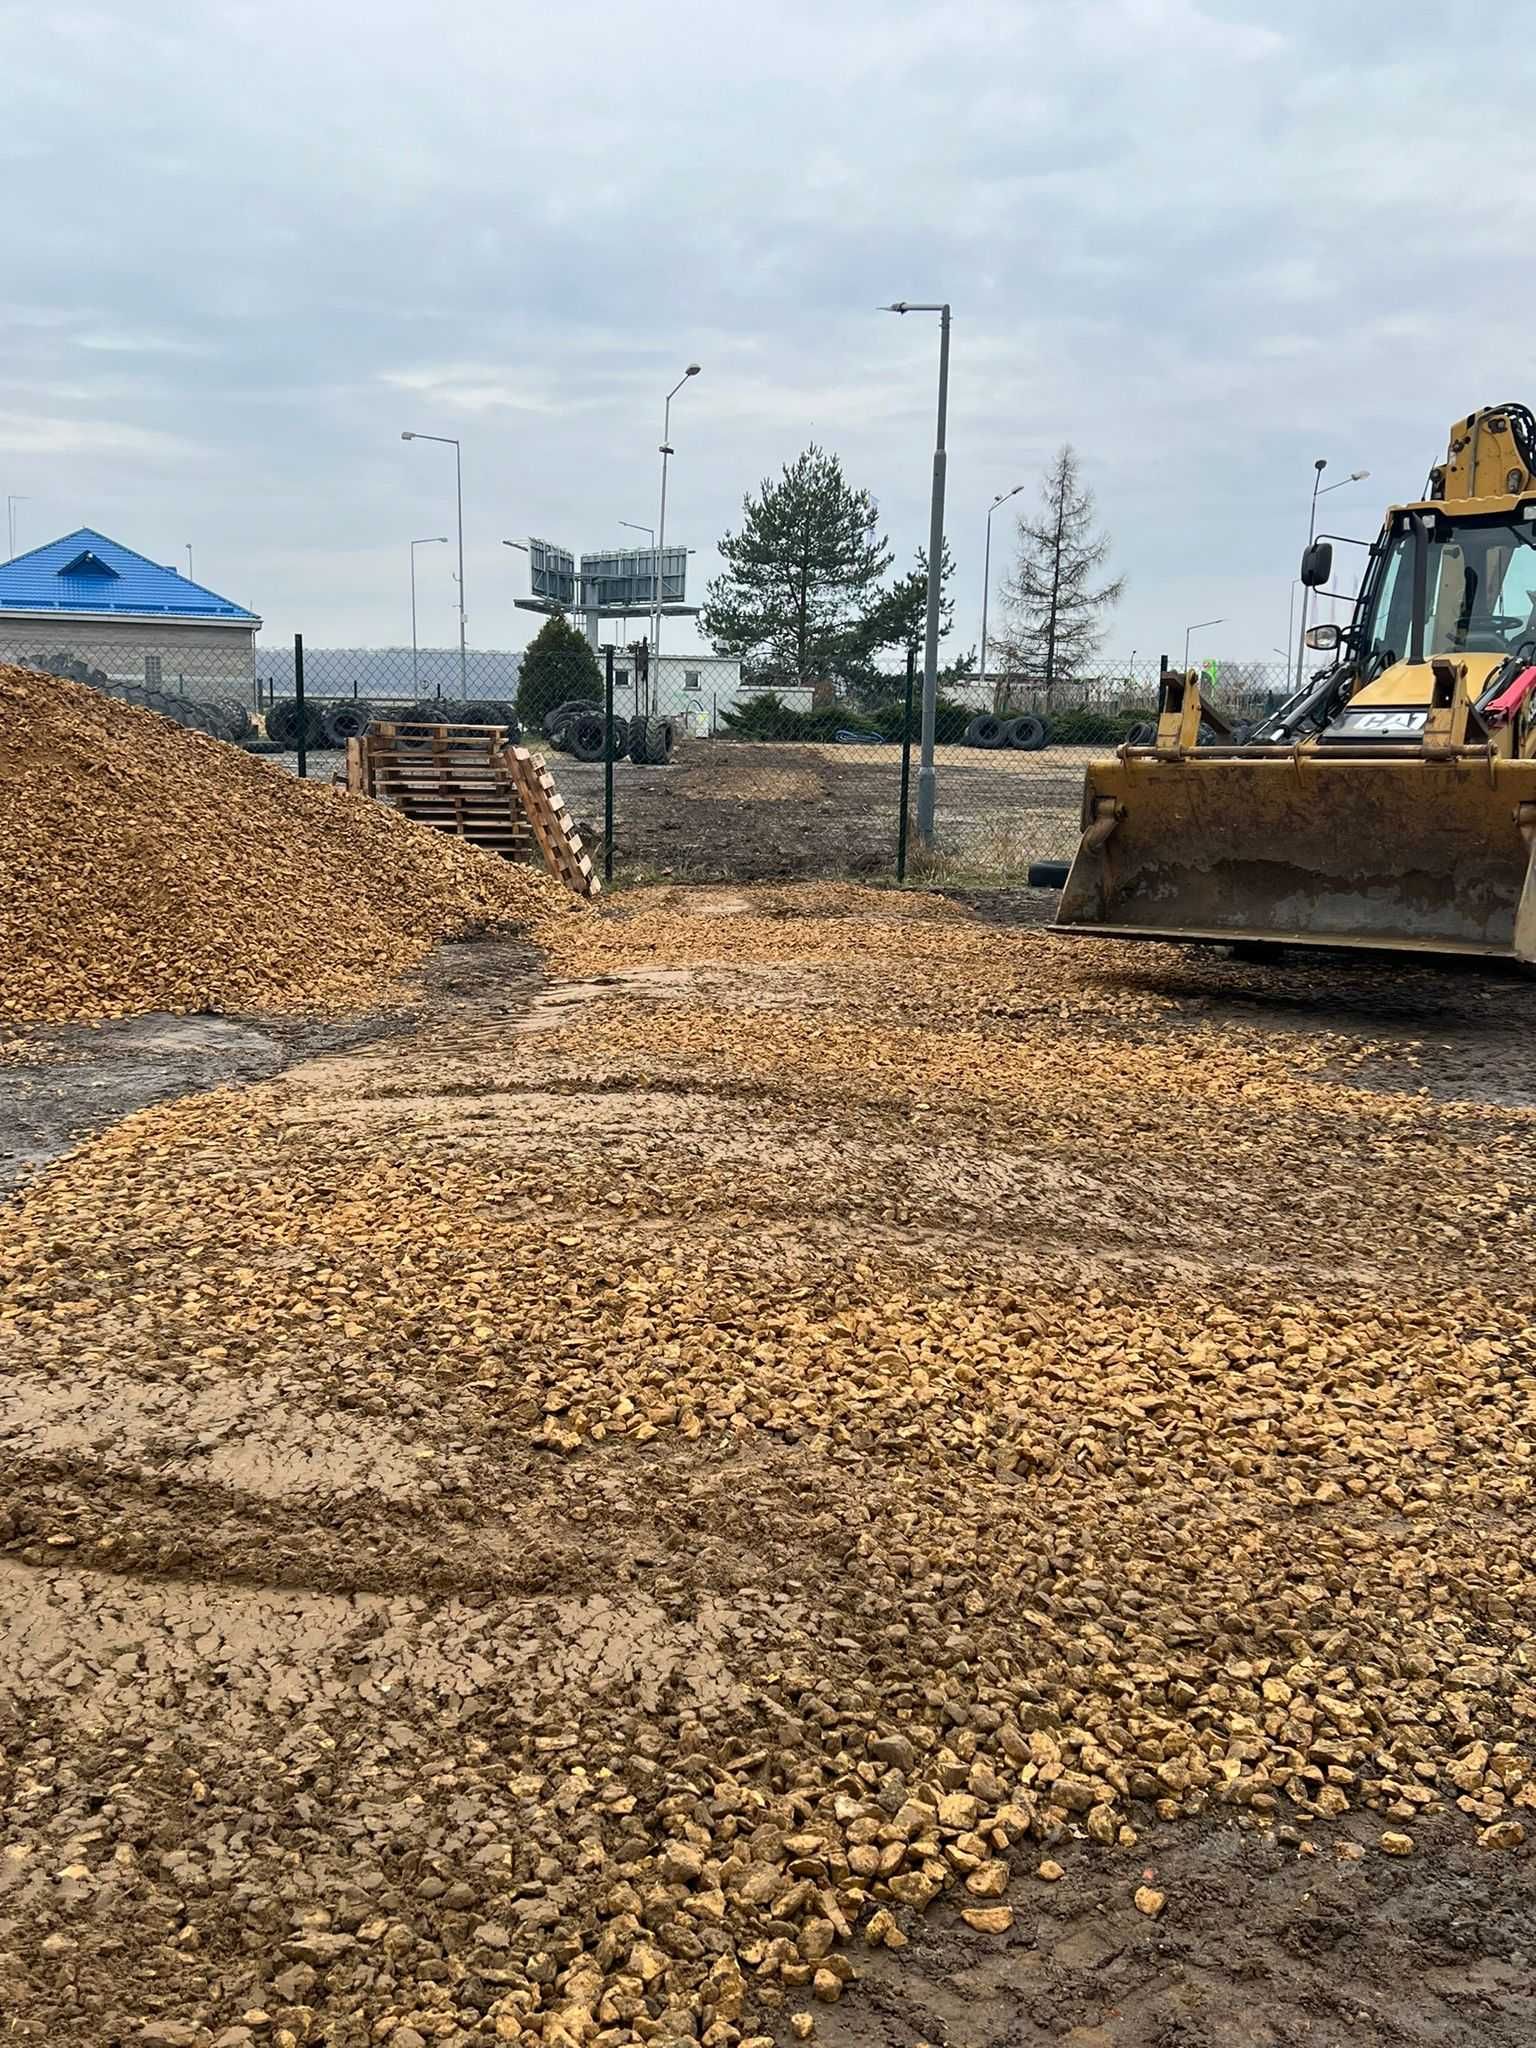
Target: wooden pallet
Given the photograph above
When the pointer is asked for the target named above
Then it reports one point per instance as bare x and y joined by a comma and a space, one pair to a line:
469, 781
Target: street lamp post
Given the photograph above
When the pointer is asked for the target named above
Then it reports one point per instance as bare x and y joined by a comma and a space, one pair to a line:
14, 499
1355, 476
431, 540
448, 441
653, 696
925, 771
1198, 627
986, 575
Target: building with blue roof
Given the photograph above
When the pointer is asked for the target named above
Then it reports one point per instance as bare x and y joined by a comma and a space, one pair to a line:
87, 599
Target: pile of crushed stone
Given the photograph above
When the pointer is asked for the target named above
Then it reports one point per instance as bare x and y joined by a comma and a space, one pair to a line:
150, 868
604, 1535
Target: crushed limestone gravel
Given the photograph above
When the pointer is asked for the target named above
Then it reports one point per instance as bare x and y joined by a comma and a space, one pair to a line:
575, 1535
145, 867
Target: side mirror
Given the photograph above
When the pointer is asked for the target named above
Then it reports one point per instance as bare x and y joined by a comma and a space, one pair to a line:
1317, 564
1325, 638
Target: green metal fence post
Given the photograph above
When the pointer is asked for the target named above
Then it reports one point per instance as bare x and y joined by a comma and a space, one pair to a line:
906, 770
608, 766
298, 702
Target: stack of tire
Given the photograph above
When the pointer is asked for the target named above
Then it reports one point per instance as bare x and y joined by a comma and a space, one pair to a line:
219, 719
332, 721
1026, 734
577, 728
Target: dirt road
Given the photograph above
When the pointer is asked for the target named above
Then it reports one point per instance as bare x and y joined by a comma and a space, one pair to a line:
526, 1528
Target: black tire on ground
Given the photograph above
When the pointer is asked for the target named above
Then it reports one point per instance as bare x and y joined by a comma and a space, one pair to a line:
1141, 735
985, 731
283, 723
659, 741
197, 716
639, 740
1048, 874
586, 736
557, 717
347, 719
505, 715
235, 724
1027, 734
620, 737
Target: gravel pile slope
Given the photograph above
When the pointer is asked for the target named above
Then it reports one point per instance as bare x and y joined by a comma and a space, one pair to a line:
572, 1536
145, 867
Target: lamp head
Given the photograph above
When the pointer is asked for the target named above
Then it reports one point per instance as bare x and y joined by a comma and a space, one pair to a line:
407, 437
1321, 463
693, 370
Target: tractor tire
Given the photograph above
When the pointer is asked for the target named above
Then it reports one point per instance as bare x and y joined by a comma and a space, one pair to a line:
505, 715
235, 724
554, 719
620, 737
283, 723
586, 737
639, 740
985, 731
348, 719
1026, 735
659, 741
1141, 735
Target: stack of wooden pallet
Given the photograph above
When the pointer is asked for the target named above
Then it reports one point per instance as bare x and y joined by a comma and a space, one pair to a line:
471, 781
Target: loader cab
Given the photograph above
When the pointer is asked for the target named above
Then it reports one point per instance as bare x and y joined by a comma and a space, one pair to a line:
1450, 585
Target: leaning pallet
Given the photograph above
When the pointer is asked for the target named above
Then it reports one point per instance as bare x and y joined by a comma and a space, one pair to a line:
470, 781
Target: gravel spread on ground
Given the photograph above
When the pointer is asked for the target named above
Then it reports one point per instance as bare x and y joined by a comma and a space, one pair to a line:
144, 867
577, 1529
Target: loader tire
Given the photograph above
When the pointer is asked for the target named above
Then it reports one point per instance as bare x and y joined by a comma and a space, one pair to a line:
348, 720
639, 740
1141, 735
985, 731
659, 742
562, 712
1028, 735
585, 737
283, 723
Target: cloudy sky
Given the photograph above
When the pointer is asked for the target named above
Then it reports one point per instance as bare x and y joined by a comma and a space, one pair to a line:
250, 241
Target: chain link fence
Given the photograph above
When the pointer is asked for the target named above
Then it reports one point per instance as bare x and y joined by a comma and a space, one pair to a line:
712, 774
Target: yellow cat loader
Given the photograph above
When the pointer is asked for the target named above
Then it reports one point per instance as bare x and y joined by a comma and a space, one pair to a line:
1391, 802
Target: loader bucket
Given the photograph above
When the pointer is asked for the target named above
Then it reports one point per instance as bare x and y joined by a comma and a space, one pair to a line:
1406, 853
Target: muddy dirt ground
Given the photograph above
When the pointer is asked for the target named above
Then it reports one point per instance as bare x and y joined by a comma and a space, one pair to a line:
471, 1454
749, 812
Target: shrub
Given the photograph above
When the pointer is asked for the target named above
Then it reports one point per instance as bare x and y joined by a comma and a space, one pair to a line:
557, 664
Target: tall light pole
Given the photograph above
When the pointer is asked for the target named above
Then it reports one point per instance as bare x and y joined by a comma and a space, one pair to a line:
986, 574
661, 538
432, 540
12, 501
188, 546
448, 441
1355, 476
1198, 627
925, 772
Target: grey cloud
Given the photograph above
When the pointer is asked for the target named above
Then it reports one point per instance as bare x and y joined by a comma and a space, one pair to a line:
1205, 242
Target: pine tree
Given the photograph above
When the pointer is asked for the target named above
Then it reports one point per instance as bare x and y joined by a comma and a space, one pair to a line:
801, 574
900, 616
557, 663
1057, 613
